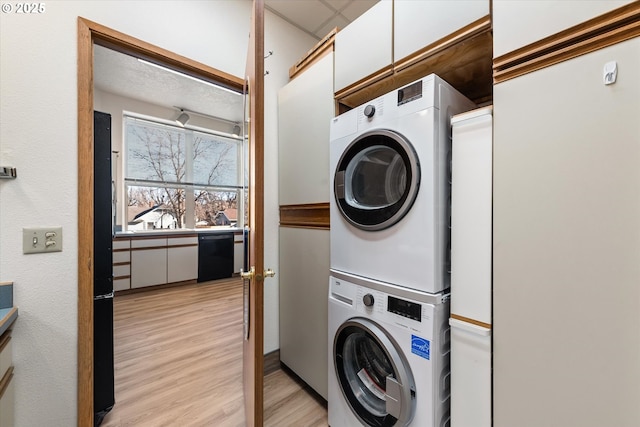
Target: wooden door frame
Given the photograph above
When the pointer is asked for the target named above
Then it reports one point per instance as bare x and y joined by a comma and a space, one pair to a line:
253, 346
89, 33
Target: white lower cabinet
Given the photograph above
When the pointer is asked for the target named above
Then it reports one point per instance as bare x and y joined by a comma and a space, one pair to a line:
121, 264
159, 261
7, 401
238, 252
148, 267
304, 288
182, 259
148, 262
470, 375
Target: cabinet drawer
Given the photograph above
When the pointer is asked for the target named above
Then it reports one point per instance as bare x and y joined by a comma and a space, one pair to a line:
121, 244
7, 403
121, 257
121, 270
148, 243
121, 284
181, 241
5, 353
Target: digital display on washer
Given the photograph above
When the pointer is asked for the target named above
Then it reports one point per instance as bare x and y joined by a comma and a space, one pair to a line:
409, 93
404, 308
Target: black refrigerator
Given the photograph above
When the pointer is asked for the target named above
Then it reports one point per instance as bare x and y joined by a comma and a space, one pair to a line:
103, 369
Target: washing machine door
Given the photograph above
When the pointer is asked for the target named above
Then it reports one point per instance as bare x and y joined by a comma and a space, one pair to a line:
373, 374
377, 180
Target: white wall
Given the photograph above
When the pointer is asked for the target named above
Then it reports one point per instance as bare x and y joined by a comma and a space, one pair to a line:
38, 136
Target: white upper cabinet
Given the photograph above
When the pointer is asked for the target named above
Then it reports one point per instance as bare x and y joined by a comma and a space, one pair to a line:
419, 23
305, 107
519, 23
364, 46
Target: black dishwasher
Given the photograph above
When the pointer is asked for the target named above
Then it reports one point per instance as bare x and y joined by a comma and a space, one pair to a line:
215, 256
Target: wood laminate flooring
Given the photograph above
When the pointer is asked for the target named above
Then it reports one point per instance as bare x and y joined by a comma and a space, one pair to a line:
178, 362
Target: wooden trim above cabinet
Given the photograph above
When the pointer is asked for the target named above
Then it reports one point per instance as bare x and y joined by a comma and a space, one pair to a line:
322, 48
605, 30
467, 32
312, 215
463, 59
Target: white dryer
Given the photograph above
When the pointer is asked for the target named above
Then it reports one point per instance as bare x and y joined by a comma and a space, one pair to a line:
388, 355
389, 168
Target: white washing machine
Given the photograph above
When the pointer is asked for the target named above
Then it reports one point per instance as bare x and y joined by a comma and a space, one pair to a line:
390, 178
388, 355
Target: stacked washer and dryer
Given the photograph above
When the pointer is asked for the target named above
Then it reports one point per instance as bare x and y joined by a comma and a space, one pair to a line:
390, 166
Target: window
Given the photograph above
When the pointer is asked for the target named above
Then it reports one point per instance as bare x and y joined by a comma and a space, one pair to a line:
181, 178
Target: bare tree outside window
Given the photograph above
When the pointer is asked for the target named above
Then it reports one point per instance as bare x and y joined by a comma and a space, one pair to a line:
168, 167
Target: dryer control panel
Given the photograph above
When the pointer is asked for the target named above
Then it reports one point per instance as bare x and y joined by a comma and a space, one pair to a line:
409, 93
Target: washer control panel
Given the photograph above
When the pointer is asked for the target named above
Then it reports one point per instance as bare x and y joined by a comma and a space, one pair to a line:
401, 307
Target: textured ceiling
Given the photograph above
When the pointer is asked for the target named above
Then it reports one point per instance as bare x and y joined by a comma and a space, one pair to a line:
318, 17
124, 75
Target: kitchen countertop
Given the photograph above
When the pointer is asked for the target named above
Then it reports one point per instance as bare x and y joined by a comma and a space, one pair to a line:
174, 232
7, 317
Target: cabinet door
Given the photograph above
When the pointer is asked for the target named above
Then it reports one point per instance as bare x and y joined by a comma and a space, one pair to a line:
148, 262
305, 107
238, 253
182, 259
566, 219
519, 23
304, 287
419, 23
7, 403
364, 46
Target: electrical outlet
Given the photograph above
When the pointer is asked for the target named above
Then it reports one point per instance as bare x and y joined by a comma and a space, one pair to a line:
41, 240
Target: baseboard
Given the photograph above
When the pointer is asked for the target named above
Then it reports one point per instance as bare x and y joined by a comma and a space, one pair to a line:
321, 400
271, 362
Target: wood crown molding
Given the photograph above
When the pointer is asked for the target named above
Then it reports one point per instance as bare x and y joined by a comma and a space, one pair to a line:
312, 215
321, 48
605, 30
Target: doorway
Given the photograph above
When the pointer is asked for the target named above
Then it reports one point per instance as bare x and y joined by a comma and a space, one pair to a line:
88, 33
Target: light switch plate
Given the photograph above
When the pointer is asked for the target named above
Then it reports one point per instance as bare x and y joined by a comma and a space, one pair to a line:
41, 240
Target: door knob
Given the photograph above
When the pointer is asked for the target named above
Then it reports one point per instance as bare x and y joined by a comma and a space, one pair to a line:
269, 273
248, 275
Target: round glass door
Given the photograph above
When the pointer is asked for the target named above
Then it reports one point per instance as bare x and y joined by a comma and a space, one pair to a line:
377, 180
373, 375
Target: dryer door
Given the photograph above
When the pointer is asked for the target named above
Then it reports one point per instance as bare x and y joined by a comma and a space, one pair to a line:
373, 375
377, 180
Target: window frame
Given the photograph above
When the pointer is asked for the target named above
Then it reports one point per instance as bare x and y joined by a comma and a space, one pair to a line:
188, 186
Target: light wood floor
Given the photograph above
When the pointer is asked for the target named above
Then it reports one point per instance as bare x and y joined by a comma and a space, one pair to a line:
178, 362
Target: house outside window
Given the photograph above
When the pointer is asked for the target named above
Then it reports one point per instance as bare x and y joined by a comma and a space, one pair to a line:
179, 178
